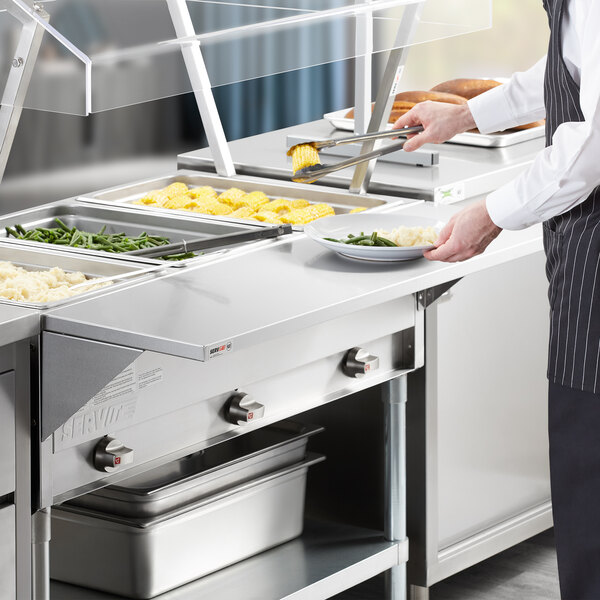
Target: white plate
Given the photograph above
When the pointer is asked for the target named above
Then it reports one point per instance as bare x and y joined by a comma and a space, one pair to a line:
340, 226
490, 140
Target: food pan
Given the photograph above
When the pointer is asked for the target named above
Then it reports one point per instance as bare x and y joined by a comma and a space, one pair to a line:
41, 258
92, 218
144, 558
204, 473
341, 201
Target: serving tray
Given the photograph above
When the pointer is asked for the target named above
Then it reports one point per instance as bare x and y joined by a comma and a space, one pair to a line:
490, 140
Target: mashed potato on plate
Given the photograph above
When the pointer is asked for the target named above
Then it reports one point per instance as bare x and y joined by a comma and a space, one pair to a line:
410, 236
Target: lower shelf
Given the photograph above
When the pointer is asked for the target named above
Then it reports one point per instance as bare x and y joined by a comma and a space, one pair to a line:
327, 559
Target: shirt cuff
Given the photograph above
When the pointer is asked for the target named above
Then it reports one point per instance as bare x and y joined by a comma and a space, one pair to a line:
492, 111
507, 212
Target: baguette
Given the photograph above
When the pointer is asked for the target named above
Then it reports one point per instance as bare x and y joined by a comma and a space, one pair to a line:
466, 88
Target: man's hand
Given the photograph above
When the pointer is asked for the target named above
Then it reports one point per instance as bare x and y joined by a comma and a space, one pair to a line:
467, 234
440, 121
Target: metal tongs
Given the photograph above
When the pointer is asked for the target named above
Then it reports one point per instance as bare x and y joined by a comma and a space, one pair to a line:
220, 241
314, 172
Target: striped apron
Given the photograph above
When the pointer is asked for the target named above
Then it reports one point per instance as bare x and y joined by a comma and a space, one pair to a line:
571, 242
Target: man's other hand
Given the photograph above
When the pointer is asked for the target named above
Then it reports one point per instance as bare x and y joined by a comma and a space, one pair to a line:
467, 234
440, 121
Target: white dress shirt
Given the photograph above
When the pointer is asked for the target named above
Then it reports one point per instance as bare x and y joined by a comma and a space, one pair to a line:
565, 173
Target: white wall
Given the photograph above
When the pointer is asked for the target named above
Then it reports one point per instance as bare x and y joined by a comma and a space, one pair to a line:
517, 39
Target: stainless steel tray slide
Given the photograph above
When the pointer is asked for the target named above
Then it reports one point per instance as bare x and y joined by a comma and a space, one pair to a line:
39, 259
491, 140
341, 201
144, 558
204, 473
91, 218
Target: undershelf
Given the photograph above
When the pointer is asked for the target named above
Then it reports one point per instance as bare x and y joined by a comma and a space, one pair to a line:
327, 559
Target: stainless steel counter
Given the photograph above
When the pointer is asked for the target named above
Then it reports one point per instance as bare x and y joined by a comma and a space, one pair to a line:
264, 293
17, 323
463, 171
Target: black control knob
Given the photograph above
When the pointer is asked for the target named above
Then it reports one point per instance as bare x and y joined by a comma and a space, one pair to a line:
358, 362
241, 409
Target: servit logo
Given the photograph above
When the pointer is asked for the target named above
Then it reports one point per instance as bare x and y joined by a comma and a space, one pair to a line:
220, 349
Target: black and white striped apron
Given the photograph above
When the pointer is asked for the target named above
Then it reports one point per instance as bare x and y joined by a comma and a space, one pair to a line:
571, 242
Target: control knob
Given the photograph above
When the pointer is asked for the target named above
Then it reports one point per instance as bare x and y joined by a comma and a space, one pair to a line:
241, 409
358, 362
110, 455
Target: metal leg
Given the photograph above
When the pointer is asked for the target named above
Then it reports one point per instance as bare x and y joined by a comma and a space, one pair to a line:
394, 397
416, 592
40, 554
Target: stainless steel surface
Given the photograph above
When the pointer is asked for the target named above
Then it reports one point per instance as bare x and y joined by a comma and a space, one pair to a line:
24, 362
338, 287
311, 174
43, 258
62, 394
200, 82
386, 92
7, 433
95, 551
326, 560
358, 362
394, 398
17, 82
126, 194
110, 455
40, 554
8, 563
175, 226
463, 172
203, 473
223, 241
155, 269
17, 323
478, 478
306, 363
241, 408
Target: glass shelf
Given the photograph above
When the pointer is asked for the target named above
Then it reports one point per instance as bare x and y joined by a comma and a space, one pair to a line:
96, 55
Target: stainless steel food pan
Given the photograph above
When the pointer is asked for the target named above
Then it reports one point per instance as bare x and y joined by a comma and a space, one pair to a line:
204, 473
341, 201
116, 219
141, 559
41, 258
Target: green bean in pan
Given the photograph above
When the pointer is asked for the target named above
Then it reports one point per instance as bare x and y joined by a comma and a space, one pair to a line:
105, 242
365, 240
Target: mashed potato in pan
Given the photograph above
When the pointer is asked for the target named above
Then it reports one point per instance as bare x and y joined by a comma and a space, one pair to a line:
410, 236
54, 284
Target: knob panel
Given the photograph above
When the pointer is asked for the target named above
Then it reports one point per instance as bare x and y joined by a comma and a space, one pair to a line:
110, 455
358, 362
241, 409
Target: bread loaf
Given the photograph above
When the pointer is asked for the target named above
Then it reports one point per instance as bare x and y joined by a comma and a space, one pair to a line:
422, 96
529, 125
398, 109
466, 88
